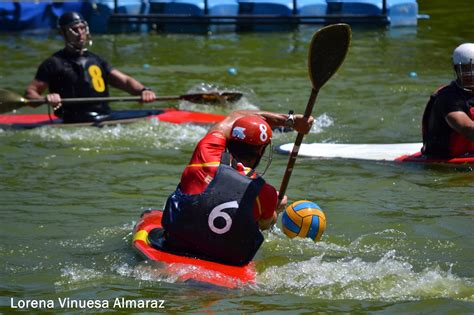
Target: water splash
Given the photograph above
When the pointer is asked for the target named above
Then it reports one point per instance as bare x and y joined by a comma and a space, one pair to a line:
146, 271
76, 275
98, 241
150, 134
147, 134
321, 122
390, 278
324, 270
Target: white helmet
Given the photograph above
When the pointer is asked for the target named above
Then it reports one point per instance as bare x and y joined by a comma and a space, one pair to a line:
463, 61
463, 54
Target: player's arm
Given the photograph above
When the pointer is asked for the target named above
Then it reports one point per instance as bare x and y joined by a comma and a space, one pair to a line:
301, 123
36, 88
461, 123
128, 84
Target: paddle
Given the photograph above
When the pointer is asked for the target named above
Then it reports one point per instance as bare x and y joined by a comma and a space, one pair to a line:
327, 51
10, 100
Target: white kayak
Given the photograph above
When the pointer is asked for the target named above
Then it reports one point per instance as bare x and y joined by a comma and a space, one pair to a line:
401, 152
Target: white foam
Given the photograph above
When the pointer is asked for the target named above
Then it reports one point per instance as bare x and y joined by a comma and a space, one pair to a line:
150, 134
389, 278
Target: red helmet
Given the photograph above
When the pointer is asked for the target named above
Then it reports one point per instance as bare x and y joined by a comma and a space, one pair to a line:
252, 130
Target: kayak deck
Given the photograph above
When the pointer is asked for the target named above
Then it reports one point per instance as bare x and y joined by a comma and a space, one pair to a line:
352, 151
170, 115
188, 268
397, 152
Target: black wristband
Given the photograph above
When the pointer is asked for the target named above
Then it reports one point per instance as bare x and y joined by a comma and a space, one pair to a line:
145, 89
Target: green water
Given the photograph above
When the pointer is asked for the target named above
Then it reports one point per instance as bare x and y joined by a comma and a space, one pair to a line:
399, 237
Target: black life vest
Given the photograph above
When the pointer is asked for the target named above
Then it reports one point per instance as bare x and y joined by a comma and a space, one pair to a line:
218, 223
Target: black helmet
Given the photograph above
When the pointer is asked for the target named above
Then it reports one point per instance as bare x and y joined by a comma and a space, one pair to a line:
69, 19
66, 24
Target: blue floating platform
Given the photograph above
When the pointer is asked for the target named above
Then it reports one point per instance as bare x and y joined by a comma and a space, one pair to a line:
58, 8
189, 15
202, 16
402, 12
307, 8
398, 12
100, 21
21, 16
280, 8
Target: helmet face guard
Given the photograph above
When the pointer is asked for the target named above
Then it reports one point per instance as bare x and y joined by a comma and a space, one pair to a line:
250, 135
463, 61
465, 75
266, 158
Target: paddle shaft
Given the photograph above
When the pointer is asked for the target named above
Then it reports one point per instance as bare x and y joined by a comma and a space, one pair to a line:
296, 147
105, 99
327, 52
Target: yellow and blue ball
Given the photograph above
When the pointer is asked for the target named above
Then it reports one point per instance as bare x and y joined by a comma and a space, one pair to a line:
304, 218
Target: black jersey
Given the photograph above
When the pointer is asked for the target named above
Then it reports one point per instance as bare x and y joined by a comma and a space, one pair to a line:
218, 223
72, 75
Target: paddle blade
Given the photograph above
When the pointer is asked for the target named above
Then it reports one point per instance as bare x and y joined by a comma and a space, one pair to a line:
212, 98
10, 101
327, 52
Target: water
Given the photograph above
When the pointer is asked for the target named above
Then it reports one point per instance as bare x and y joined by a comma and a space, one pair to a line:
399, 237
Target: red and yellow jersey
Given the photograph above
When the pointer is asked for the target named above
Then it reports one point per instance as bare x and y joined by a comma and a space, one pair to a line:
203, 166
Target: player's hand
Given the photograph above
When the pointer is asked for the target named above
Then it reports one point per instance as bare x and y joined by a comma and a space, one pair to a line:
54, 100
148, 96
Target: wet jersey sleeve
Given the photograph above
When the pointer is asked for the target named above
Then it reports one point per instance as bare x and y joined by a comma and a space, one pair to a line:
266, 203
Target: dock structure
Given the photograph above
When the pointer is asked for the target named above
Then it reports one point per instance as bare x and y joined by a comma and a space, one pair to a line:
201, 16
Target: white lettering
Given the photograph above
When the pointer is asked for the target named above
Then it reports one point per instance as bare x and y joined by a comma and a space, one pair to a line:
263, 133
138, 304
68, 303
218, 212
162, 304
83, 304
36, 304
62, 302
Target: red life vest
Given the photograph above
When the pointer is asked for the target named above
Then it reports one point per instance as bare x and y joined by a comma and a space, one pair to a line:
458, 144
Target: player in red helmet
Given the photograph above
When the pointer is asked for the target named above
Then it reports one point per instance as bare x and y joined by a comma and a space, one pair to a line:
448, 120
249, 137
75, 72
221, 205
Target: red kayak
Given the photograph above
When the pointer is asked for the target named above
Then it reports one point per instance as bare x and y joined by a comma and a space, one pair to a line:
187, 268
418, 157
171, 115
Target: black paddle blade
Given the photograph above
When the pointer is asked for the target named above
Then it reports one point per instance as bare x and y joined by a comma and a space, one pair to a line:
213, 98
10, 101
327, 52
